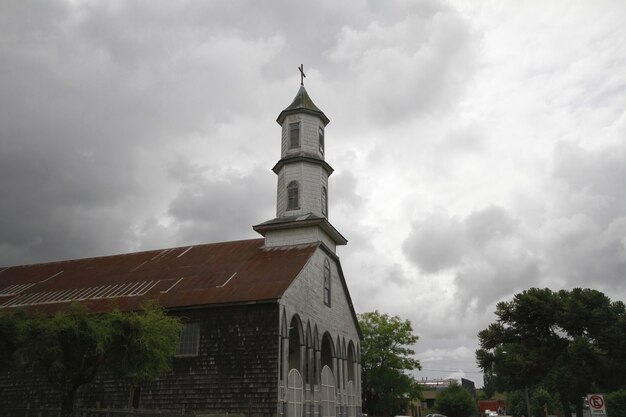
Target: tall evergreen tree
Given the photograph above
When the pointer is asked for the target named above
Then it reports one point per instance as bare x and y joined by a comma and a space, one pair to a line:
571, 342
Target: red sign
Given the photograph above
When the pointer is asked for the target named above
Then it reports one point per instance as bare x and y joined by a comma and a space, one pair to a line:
596, 401
596, 405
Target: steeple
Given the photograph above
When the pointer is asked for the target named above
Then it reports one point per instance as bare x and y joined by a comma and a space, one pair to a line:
302, 192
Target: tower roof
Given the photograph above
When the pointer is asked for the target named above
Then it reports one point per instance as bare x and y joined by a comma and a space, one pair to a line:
302, 103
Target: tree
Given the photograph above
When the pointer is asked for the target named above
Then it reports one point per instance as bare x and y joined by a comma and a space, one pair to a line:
456, 401
571, 342
538, 397
385, 358
8, 338
542, 403
616, 403
72, 347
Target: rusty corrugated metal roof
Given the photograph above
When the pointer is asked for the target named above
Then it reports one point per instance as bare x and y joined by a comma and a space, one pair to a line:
216, 273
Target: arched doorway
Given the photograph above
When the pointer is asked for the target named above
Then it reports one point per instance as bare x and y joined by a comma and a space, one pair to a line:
328, 395
295, 394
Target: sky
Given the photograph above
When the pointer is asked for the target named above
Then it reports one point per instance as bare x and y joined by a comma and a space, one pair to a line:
478, 146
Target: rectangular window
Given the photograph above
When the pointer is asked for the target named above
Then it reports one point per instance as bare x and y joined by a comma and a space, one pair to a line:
189, 340
321, 139
294, 135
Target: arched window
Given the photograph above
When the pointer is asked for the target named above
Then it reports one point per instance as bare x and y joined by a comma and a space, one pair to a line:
295, 394
327, 351
324, 202
293, 196
321, 139
295, 342
328, 393
327, 282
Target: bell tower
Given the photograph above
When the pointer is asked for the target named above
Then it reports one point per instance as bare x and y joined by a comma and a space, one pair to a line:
302, 192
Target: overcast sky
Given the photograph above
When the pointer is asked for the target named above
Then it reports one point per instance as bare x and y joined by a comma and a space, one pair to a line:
478, 147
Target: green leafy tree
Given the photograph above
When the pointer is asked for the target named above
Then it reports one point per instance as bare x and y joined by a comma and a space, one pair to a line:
489, 384
73, 346
456, 401
541, 402
516, 404
616, 403
9, 331
385, 359
571, 342
538, 398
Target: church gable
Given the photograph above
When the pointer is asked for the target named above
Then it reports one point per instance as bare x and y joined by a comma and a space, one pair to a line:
320, 339
325, 302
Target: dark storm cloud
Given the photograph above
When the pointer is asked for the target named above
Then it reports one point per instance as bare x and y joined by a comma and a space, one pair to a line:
213, 208
96, 100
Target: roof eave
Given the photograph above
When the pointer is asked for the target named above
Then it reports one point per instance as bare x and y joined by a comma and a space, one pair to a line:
283, 114
324, 224
302, 158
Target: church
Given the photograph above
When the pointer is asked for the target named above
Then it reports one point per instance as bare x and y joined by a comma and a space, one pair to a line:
269, 325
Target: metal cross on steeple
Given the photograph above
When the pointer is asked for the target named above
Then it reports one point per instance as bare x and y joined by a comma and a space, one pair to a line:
302, 76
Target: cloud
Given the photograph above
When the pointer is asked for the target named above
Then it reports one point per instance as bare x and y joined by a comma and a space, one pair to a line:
214, 206
584, 237
478, 150
435, 243
486, 252
427, 56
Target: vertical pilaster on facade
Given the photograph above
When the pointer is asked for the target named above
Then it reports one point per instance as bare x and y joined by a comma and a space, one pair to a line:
282, 394
302, 364
317, 380
310, 387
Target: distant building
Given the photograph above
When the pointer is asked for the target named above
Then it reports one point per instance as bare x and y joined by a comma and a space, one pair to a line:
270, 329
469, 386
436, 383
431, 388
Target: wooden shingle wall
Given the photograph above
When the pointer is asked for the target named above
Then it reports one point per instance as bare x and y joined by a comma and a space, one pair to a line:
235, 372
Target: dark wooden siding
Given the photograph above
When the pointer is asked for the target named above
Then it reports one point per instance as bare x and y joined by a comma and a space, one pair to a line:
235, 371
